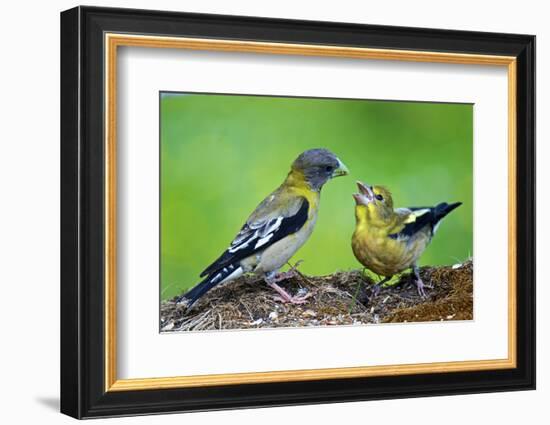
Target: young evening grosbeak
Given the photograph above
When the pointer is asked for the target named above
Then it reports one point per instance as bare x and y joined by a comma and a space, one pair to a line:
387, 240
276, 229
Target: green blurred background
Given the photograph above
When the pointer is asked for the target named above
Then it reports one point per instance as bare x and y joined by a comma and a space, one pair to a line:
222, 154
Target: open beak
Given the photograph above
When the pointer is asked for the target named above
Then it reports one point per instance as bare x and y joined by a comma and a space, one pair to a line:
342, 170
365, 195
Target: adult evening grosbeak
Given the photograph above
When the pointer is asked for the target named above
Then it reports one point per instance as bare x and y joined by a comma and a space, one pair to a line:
387, 240
276, 229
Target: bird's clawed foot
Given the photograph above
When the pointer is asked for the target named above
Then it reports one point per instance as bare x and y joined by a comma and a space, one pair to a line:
375, 291
420, 287
419, 283
293, 299
285, 297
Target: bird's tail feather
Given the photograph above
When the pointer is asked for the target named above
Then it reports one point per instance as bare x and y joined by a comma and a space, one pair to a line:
227, 273
444, 208
441, 211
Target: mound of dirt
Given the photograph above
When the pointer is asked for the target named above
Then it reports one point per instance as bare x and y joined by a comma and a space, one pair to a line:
342, 298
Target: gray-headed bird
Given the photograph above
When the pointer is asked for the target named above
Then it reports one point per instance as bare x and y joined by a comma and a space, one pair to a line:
388, 241
276, 229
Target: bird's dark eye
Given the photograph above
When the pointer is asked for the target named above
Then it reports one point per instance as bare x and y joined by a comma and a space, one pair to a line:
379, 197
329, 168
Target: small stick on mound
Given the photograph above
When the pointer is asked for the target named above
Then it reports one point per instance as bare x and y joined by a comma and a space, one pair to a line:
342, 298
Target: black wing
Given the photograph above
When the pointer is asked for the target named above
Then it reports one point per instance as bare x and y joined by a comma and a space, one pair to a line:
257, 236
425, 216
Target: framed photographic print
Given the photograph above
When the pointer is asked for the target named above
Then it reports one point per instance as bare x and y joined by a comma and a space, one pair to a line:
261, 212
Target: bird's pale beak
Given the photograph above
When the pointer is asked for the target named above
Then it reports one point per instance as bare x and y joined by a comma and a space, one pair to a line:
365, 195
342, 170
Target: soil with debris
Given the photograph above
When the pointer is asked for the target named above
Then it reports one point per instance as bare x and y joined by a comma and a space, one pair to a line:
342, 298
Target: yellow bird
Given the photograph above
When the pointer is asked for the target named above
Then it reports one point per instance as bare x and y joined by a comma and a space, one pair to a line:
388, 241
276, 229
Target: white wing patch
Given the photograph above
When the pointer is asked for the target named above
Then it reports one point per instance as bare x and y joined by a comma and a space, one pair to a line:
240, 243
271, 227
418, 213
261, 233
413, 215
238, 272
263, 241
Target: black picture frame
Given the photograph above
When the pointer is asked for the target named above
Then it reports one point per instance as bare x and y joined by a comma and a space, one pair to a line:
83, 392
